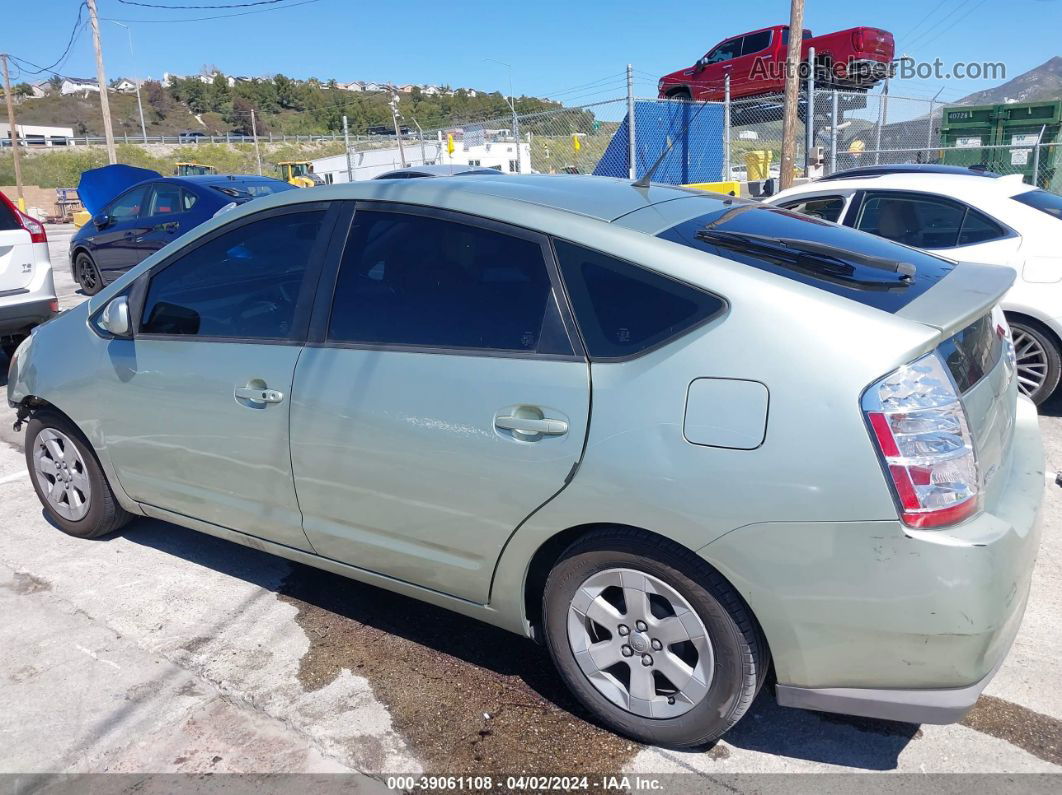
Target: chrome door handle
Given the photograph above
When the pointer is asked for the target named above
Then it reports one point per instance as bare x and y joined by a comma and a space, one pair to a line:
529, 426
259, 395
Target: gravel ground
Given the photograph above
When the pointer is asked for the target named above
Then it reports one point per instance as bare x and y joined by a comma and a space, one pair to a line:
163, 650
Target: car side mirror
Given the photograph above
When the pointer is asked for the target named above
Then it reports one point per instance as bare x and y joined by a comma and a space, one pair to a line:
699, 66
115, 317
101, 220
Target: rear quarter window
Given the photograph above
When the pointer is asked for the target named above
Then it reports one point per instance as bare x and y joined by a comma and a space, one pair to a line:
624, 310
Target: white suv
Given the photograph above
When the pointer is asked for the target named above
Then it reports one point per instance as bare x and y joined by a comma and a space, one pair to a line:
967, 215
27, 290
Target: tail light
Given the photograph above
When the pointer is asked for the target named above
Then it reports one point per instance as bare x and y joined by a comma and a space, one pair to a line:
919, 424
34, 227
858, 40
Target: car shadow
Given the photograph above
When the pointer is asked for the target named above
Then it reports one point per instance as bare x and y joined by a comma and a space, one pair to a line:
1052, 407
857, 743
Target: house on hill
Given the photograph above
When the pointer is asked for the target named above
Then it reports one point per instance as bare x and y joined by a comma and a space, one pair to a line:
78, 85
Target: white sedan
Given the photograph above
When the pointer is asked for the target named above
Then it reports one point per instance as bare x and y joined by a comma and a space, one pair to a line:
966, 215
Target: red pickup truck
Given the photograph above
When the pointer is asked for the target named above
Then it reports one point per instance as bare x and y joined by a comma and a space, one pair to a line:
854, 59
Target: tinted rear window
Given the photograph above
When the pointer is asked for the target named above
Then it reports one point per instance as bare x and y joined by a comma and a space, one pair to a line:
865, 284
972, 352
8, 220
245, 191
1043, 201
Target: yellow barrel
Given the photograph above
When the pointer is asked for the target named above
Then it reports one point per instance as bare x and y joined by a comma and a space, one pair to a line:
758, 164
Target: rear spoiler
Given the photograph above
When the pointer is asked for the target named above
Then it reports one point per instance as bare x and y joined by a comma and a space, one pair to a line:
961, 297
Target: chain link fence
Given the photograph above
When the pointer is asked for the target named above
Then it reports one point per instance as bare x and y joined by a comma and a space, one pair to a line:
739, 140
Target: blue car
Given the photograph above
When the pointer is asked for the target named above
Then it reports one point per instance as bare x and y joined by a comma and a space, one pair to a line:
136, 211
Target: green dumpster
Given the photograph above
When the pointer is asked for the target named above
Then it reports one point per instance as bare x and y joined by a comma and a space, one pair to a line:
1003, 138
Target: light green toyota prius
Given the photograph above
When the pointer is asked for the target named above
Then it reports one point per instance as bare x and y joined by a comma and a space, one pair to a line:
674, 436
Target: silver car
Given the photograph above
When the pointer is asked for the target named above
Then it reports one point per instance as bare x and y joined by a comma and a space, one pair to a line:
671, 435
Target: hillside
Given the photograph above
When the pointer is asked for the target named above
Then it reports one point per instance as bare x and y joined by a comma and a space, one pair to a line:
282, 106
1043, 82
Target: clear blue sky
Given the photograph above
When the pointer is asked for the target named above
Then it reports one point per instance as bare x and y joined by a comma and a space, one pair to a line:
574, 51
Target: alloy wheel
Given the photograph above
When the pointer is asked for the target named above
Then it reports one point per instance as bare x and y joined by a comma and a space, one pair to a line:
1032, 362
640, 644
87, 275
61, 474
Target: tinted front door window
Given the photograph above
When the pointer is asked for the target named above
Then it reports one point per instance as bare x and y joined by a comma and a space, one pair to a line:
127, 206
243, 284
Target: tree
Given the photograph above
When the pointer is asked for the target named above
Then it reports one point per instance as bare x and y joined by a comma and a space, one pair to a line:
158, 98
287, 95
55, 83
239, 116
22, 90
217, 95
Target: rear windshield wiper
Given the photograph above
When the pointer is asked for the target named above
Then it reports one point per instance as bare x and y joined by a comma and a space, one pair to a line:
805, 252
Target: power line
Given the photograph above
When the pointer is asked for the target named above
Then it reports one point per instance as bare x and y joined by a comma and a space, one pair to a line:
78, 25
215, 16
200, 7
906, 36
969, 10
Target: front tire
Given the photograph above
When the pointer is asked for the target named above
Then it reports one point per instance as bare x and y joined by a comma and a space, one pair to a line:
657, 645
1039, 363
68, 479
87, 274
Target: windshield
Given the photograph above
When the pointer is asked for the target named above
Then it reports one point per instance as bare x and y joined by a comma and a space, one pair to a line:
813, 252
245, 191
1050, 203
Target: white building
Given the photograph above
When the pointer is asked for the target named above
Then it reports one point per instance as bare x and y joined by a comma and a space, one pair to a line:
78, 85
37, 135
370, 163
124, 86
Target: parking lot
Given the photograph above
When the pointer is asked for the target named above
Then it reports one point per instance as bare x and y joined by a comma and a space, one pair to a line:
163, 650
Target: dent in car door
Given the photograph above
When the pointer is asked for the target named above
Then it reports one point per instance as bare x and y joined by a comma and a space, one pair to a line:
195, 409
443, 404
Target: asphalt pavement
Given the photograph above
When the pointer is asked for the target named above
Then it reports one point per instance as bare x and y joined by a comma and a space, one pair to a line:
163, 650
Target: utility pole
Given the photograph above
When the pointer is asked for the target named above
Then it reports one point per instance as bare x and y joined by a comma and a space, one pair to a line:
346, 148
792, 92
139, 104
420, 135
21, 201
257, 151
516, 120
398, 133
632, 148
101, 78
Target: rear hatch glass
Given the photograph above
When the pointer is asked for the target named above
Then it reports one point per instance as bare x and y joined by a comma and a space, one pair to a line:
245, 191
16, 252
852, 264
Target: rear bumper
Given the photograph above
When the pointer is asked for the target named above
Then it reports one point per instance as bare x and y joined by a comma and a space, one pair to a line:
21, 317
874, 619
944, 705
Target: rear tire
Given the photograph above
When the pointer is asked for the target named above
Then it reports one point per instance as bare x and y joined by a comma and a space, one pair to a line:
9, 346
87, 274
1038, 359
679, 675
68, 479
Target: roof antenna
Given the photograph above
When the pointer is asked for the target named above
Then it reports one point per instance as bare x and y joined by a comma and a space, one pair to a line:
643, 181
